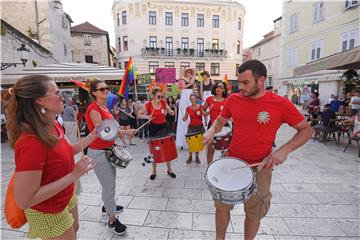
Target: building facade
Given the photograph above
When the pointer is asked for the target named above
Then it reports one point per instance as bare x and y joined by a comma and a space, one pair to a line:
90, 44
310, 32
43, 21
267, 50
206, 35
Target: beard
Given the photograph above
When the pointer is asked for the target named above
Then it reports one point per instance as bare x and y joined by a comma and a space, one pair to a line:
252, 92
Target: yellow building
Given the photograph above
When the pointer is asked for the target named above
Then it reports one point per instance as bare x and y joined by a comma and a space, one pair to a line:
311, 32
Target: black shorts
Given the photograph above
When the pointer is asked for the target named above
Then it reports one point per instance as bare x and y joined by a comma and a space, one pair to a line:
125, 122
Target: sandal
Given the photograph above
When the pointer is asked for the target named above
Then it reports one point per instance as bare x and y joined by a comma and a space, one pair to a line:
197, 160
189, 160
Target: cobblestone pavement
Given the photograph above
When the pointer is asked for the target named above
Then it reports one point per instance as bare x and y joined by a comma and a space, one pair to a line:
315, 196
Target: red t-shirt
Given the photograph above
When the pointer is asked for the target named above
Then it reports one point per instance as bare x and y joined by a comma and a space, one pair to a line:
158, 114
256, 122
195, 116
31, 154
98, 143
215, 107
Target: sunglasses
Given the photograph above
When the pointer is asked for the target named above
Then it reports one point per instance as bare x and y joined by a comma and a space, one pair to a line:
160, 97
103, 89
220, 87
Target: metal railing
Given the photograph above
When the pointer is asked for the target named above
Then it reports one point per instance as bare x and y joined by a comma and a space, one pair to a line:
179, 52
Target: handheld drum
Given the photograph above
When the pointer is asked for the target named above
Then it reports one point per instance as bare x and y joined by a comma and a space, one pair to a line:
108, 130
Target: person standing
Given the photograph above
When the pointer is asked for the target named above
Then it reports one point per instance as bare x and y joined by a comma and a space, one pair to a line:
45, 170
313, 103
125, 119
144, 131
213, 106
169, 118
156, 110
257, 115
96, 112
206, 85
69, 120
355, 103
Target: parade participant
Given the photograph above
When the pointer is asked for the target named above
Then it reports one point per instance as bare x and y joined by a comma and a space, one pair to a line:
45, 170
156, 110
257, 115
195, 112
69, 117
213, 106
171, 119
206, 85
125, 119
96, 112
186, 85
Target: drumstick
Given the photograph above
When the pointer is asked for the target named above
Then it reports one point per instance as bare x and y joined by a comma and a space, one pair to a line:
144, 124
251, 165
125, 112
78, 132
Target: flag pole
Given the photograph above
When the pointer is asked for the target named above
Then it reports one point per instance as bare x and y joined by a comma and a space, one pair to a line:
135, 87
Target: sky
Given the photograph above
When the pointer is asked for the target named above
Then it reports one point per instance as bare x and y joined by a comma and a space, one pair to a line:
259, 17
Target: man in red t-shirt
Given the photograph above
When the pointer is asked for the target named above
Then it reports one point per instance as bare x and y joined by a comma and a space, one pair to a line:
257, 115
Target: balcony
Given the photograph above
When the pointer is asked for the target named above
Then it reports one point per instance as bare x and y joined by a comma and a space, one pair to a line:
179, 52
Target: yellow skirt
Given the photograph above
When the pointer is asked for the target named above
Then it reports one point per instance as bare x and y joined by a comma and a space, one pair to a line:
49, 225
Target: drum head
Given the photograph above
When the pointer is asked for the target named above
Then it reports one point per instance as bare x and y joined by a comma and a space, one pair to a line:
123, 153
108, 130
221, 175
224, 131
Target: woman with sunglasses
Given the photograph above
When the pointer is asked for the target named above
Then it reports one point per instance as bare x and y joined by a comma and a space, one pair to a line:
45, 170
156, 109
213, 106
195, 112
96, 112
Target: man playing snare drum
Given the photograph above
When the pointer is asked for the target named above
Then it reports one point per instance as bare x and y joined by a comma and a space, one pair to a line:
257, 117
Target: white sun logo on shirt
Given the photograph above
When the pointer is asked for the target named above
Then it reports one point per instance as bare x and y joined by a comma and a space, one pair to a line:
263, 117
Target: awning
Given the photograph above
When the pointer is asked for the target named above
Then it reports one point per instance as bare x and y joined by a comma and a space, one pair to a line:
64, 72
349, 59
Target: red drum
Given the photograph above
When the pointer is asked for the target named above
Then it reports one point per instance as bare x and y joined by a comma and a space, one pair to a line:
163, 149
222, 139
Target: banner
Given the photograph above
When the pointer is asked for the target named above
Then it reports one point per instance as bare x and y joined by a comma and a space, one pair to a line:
144, 78
165, 75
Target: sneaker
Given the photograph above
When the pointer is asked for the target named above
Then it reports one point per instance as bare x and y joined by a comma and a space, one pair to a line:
152, 176
118, 209
117, 227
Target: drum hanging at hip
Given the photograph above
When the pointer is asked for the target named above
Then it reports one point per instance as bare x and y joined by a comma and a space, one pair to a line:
119, 156
163, 149
195, 141
222, 139
228, 185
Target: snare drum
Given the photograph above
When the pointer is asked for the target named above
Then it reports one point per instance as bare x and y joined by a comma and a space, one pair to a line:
163, 149
227, 185
195, 141
119, 156
222, 139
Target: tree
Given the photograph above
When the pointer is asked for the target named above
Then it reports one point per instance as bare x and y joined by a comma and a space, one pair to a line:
351, 81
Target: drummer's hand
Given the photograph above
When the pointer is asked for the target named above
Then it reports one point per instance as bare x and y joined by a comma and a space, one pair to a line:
94, 131
208, 136
84, 165
276, 158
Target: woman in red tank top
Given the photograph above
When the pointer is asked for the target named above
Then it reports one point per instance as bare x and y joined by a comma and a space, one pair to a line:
156, 109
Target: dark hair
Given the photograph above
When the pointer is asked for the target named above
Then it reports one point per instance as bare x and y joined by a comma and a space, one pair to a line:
316, 94
205, 73
92, 84
192, 95
269, 88
155, 90
24, 114
213, 90
257, 68
168, 99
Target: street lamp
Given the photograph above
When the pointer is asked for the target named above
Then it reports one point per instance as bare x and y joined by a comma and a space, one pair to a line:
23, 57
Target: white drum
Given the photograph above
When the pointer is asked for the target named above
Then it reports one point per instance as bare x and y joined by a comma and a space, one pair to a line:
119, 156
108, 130
228, 185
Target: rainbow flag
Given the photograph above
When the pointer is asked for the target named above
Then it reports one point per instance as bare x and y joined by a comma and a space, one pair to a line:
127, 79
226, 80
80, 84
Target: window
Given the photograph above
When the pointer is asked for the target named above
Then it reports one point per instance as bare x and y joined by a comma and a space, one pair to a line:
153, 66
215, 44
87, 40
88, 58
152, 17
64, 22
184, 43
215, 21
200, 66
200, 47
125, 43
215, 69
238, 47
318, 11
351, 3
236, 69
65, 50
294, 23
123, 17
184, 65
268, 81
169, 46
239, 23
349, 39
125, 64
200, 20
185, 19
292, 59
118, 19
315, 50
153, 41
168, 18
119, 44
259, 51
169, 64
